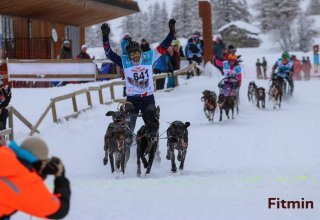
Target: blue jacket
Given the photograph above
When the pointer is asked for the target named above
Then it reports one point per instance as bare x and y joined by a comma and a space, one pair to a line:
163, 64
218, 50
194, 49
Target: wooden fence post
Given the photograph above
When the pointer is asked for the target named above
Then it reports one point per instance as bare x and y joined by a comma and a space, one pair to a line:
89, 98
155, 84
54, 111
112, 91
100, 96
194, 69
11, 136
176, 80
74, 103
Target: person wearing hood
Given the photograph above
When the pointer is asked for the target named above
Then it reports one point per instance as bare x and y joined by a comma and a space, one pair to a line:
22, 171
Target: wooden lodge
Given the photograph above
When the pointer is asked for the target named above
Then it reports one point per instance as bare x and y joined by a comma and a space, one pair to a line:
36, 29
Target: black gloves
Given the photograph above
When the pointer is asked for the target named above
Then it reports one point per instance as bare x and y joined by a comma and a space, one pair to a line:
172, 25
54, 167
105, 29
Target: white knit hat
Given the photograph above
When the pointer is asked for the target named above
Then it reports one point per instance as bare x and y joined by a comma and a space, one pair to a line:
84, 46
66, 42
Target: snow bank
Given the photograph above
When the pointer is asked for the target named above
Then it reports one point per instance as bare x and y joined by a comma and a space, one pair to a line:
232, 167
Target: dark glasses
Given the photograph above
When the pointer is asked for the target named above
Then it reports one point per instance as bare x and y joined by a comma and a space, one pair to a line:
136, 53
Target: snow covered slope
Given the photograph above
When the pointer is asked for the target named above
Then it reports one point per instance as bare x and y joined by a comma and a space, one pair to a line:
232, 167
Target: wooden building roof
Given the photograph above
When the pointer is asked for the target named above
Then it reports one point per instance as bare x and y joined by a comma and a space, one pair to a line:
71, 12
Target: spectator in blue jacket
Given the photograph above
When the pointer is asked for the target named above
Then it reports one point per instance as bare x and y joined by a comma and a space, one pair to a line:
219, 48
194, 49
164, 65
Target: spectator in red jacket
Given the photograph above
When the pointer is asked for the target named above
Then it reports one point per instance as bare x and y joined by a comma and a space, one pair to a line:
297, 68
306, 68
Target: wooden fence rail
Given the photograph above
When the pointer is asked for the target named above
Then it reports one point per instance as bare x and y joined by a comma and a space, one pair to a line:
9, 131
76, 110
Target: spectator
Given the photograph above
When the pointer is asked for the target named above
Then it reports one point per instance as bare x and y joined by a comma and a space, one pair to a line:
306, 68
22, 171
145, 46
258, 68
297, 68
231, 50
264, 67
219, 48
177, 43
83, 54
5, 97
175, 58
194, 49
164, 65
66, 51
176, 40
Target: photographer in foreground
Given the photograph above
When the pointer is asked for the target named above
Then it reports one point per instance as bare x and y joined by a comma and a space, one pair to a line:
22, 171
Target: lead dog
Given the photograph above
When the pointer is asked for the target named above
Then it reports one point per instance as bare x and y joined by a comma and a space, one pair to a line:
209, 99
275, 93
261, 97
147, 139
177, 134
226, 103
251, 91
114, 142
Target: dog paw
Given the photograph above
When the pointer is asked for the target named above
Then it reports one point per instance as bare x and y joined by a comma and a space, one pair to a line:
146, 165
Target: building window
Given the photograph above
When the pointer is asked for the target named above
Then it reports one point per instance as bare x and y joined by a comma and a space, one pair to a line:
30, 28
6, 27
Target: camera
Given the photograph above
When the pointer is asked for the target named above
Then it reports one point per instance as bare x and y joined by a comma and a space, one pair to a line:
51, 167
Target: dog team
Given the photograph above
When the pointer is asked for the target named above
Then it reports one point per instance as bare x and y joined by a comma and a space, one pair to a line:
258, 95
117, 141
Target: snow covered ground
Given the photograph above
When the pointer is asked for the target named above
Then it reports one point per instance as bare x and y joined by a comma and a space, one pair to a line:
232, 167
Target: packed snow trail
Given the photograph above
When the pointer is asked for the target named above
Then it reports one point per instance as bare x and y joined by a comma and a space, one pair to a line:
232, 167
